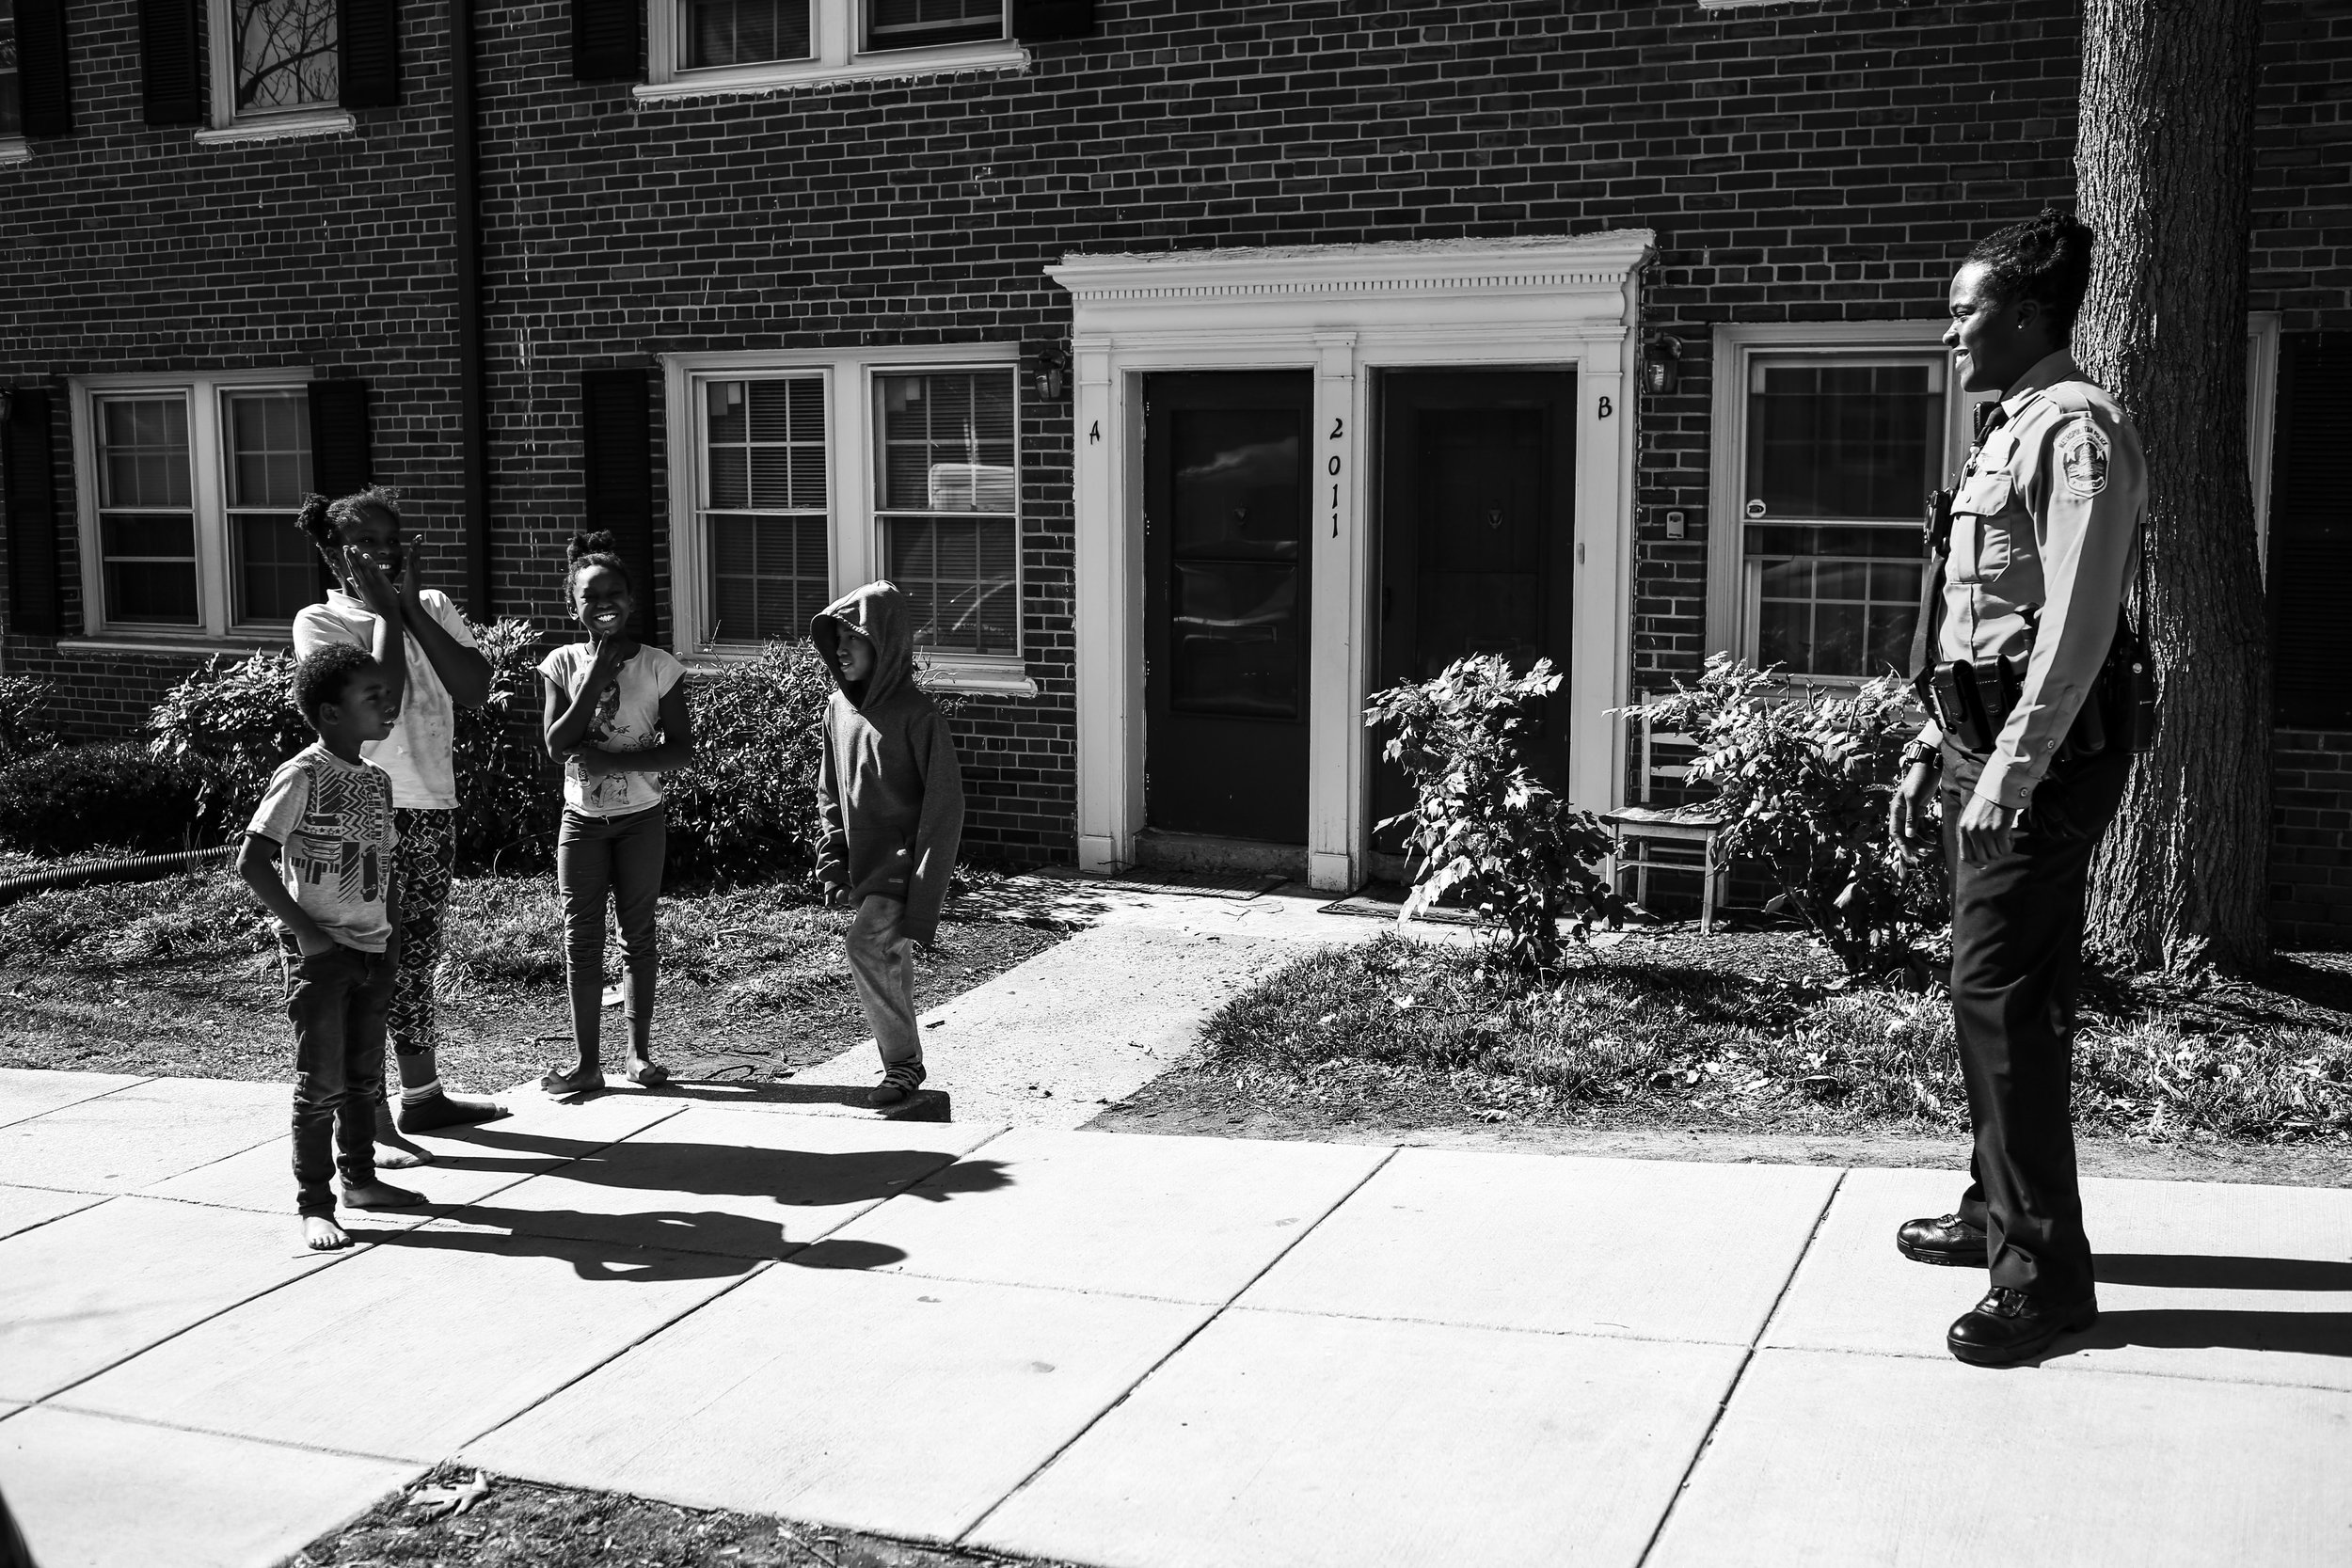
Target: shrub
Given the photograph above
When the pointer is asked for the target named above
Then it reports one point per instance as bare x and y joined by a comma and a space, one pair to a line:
23, 731
1806, 774
1481, 827
80, 797
235, 720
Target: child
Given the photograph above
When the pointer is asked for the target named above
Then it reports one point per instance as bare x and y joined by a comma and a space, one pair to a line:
319, 855
615, 716
891, 798
431, 668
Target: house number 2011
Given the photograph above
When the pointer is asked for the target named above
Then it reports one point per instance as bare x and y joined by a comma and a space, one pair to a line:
1332, 467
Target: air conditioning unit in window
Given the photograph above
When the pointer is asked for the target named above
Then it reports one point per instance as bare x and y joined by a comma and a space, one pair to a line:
971, 487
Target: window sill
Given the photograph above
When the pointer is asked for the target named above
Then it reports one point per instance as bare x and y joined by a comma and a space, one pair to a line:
791, 75
129, 643
15, 150
979, 680
330, 122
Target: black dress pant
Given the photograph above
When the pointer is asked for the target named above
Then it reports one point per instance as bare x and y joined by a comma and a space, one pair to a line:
2017, 941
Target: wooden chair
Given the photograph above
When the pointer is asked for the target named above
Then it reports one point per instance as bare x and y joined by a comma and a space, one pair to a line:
1699, 822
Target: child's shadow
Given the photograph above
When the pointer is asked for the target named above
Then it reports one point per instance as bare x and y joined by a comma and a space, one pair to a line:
787, 1178
683, 1245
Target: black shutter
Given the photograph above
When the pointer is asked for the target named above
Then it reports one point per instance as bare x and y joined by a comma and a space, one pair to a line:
171, 62
1045, 20
2310, 566
367, 38
29, 491
616, 464
604, 40
47, 101
340, 459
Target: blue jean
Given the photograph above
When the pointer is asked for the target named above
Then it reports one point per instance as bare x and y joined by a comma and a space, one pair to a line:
618, 858
338, 1000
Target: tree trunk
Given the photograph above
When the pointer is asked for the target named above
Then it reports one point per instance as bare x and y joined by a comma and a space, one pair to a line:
2164, 166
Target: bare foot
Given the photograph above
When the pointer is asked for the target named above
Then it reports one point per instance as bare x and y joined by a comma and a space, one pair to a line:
322, 1234
392, 1151
380, 1194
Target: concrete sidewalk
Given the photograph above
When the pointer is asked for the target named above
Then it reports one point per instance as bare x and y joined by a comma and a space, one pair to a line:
1139, 1351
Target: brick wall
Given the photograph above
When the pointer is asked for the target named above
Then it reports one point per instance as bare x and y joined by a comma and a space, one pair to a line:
1800, 162
2311, 861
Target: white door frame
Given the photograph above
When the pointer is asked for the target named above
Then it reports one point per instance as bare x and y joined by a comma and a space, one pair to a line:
1341, 312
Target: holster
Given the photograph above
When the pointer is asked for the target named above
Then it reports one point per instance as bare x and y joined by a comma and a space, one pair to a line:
1971, 702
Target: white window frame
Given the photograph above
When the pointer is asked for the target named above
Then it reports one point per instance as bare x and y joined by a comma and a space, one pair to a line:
838, 56
225, 124
208, 480
1730, 621
14, 147
853, 543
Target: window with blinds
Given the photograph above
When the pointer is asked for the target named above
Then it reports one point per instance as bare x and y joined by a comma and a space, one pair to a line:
946, 493
147, 511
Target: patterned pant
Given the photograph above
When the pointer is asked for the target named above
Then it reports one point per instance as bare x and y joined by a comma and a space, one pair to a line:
427, 858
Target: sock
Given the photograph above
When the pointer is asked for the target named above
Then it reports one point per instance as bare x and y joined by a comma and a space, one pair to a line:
417, 1094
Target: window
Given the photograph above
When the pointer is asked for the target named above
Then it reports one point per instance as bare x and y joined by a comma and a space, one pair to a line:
699, 47
1829, 441
12, 100
189, 515
814, 472
277, 68
945, 478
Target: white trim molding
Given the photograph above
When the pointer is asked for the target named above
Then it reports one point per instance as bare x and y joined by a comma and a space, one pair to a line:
1343, 314
15, 150
289, 127
835, 59
2262, 419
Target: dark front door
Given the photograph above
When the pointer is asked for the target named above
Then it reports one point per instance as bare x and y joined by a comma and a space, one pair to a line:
1477, 550
1225, 604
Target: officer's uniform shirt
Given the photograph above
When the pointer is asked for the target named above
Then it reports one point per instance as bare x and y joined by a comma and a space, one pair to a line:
2045, 537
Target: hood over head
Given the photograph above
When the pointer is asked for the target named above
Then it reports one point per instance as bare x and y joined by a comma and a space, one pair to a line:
879, 610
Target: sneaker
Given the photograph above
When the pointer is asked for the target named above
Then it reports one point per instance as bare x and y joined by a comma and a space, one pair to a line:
899, 1082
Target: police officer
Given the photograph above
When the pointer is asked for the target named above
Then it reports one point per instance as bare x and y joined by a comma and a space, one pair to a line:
2043, 542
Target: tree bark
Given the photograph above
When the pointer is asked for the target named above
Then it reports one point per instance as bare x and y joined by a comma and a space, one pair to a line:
2165, 167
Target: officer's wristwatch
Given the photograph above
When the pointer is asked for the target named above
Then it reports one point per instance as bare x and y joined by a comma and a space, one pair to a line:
1920, 754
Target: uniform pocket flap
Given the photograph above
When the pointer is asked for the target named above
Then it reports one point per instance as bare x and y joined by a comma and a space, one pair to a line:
1986, 494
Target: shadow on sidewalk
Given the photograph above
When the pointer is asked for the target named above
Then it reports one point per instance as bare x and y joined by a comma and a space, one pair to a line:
665, 1172
2218, 1327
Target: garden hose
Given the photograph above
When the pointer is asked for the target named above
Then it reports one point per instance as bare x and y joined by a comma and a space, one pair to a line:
12, 888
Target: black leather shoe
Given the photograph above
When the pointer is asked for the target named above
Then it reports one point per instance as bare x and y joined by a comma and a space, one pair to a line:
1947, 1240
2009, 1326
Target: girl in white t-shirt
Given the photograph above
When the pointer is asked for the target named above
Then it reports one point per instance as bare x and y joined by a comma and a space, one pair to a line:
616, 718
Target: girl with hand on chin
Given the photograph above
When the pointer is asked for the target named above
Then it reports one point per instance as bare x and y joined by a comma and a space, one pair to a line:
431, 668
616, 718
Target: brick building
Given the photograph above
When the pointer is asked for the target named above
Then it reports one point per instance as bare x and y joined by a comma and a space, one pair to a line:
1198, 367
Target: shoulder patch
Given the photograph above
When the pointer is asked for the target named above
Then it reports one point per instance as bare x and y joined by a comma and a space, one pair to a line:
2082, 456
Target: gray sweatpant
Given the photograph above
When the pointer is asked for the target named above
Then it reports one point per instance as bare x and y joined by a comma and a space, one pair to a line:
882, 960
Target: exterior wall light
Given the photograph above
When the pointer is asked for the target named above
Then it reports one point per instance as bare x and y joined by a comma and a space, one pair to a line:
1661, 364
1052, 366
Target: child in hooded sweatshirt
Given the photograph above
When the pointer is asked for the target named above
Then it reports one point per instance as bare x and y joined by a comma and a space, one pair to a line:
890, 796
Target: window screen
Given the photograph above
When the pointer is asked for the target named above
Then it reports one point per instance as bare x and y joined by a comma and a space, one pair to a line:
145, 520
267, 466
285, 54
765, 506
1841, 454
947, 489
908, 24
745, 32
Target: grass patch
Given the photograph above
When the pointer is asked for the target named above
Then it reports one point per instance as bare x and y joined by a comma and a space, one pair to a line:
519, 1525
1755, 1030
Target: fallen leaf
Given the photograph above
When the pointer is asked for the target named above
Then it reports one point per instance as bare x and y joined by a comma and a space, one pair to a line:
452, 1500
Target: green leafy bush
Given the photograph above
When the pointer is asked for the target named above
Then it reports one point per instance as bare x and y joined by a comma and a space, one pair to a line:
23, 726
747, 804
1481, 828
1806, 774
234, 721
81, 797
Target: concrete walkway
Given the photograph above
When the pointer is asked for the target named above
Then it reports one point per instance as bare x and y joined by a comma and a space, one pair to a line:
1129, 1351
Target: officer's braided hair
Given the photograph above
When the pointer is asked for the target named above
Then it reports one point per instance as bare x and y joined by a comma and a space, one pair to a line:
2045, 259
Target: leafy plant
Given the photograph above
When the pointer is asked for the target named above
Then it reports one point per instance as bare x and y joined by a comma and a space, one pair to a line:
23, 731
1481, 827
747, 803
80, 797
234, 721
1805, 774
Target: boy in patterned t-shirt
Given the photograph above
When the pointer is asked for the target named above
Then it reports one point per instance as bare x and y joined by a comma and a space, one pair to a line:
318, 854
